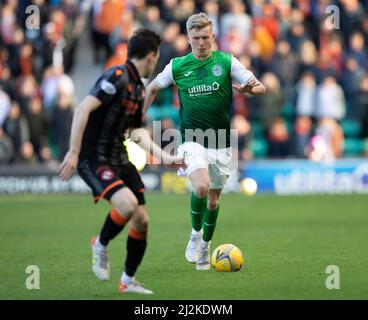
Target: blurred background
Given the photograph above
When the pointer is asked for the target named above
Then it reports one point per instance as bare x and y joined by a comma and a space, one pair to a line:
314, 115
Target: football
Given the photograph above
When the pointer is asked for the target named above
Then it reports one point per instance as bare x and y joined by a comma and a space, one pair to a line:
227, 258
249, 186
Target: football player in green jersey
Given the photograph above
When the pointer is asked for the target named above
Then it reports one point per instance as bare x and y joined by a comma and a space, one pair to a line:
204, 79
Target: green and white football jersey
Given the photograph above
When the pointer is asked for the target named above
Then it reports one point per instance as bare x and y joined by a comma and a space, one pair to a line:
205, 94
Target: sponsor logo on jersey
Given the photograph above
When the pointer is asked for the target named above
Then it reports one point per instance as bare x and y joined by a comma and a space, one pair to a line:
217, 70
203, 89
188, 73
108, 87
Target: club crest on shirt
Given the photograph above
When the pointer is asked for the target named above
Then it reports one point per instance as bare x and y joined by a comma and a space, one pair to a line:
107, 174
217, 70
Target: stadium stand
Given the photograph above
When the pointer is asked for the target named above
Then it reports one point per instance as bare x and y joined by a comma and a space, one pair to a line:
310, 67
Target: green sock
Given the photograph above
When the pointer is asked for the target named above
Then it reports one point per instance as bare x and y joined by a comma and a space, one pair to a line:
209, 223
197, 207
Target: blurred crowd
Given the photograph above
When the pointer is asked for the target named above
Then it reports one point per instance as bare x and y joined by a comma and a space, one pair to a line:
311, 56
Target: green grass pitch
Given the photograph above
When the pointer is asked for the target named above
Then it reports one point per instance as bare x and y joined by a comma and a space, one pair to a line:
288, 242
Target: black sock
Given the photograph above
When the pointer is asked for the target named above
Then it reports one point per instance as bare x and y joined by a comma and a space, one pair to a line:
135, 253
109, 230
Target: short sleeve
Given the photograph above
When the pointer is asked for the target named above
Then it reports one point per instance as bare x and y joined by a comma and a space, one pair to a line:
165, 78
106, 87
239, 73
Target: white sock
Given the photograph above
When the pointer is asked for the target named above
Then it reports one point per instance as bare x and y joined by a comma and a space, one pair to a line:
205, 244
126, 279
195, 233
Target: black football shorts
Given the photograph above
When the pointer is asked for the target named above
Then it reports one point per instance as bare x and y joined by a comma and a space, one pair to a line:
105, 179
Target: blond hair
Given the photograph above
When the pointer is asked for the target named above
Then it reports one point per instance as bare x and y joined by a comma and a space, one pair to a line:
198, 21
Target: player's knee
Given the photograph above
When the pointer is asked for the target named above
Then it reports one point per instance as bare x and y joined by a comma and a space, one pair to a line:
127, 207
212, 204
201, 189
142, 224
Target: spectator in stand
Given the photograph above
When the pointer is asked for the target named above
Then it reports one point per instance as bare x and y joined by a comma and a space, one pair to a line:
270, 104
284, 10
62, 121
268, 22
27, 90
4, 106
297, 33
6, 148
278, 137
167, 48
331, 56
212, 9
357, 50
17, 128
8, 21
286, 65
6, 82
306, 98
119, 57
153, 20
38, 127
233, 42
330, 131
361, 105
124, 30
72, 31
106, 17
240, 123
26, 60
14, 51
350, 83
54, 78
167, 10
302, 135
308, 56
352, 17
237, 19
330, 99
183, 11
139, 9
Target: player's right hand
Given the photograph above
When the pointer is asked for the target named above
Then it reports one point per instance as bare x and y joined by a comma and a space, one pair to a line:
68, 165
175, 162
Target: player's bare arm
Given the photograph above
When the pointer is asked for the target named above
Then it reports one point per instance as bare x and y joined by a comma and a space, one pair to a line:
151, 93
253, 87
80, 118
143, 139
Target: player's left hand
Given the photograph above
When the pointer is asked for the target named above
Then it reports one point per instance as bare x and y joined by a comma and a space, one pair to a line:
68, 166
247, 87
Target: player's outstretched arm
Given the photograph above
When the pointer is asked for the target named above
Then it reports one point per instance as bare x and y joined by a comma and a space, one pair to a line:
151, 93
143, 139
253, 87
80, 118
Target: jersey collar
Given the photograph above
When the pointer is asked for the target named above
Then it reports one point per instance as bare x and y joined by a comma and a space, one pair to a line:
133, 71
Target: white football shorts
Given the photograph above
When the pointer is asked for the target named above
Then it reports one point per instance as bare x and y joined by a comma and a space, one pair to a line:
216, 161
